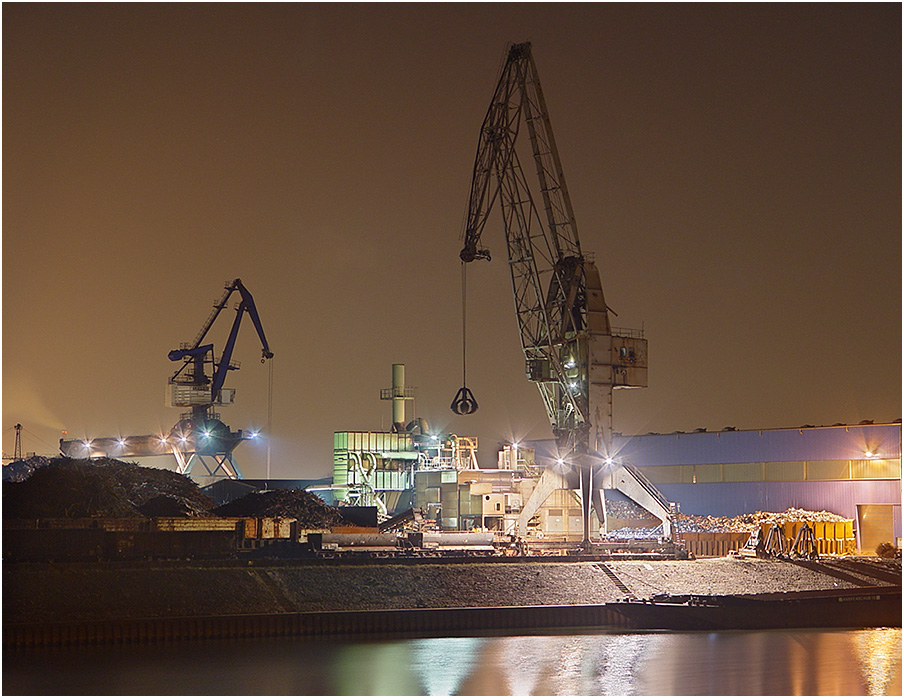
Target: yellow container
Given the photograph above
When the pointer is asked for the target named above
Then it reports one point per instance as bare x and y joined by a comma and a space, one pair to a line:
788, 529
819, 530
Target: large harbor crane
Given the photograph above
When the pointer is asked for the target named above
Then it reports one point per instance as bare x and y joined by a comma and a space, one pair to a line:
571, 351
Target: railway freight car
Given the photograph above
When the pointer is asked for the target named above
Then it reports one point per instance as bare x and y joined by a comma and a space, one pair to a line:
95, 544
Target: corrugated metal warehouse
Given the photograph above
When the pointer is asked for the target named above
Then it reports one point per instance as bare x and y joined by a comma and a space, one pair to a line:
850, 470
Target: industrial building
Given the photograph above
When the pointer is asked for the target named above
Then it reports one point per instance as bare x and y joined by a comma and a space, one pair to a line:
853, 471
850, 470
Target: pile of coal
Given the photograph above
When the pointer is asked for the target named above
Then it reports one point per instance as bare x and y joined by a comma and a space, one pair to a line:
20, 470
102, 487
307, 508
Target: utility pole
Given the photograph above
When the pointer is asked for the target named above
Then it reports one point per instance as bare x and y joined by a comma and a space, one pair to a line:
17, 449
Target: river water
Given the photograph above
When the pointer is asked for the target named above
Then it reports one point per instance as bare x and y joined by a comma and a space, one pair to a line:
799, 662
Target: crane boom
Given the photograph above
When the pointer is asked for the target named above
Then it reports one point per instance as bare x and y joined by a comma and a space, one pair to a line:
571, 351
207, 390
549, 271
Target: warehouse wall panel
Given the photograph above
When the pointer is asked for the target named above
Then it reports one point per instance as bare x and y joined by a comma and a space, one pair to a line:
875, 469
849, 442
743, 472
828, 470
784, 471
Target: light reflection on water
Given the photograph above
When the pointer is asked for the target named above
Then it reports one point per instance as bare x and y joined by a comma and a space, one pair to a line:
855, 662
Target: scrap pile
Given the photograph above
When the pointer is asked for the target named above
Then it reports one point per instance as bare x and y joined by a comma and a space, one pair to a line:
626, 510
102, 487
308, 509
746, 523
20, 470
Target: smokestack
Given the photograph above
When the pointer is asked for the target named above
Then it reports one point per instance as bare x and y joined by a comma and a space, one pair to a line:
398, 393
398, 397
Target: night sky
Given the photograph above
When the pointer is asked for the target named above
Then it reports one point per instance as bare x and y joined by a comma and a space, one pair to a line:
735, 169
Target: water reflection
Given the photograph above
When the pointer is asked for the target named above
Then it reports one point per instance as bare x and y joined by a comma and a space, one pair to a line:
880, 656
443, 664
864, 662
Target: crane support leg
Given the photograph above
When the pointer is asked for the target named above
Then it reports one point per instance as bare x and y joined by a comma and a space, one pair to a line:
586, 472
632, 483
549, 482
599, 506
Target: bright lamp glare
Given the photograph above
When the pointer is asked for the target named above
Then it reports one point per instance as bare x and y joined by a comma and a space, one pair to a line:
608, 460
252, 434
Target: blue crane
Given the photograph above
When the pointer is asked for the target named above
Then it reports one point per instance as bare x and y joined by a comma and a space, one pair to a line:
201, 430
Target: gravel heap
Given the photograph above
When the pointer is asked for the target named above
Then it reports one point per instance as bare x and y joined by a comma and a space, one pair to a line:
308, 509
106, 487
20, 470
38, 592
102, 487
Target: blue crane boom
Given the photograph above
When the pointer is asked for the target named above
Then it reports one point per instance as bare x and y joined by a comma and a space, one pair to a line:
196, 354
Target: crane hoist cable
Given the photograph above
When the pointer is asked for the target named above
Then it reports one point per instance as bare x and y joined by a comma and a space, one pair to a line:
269, 416
464, 401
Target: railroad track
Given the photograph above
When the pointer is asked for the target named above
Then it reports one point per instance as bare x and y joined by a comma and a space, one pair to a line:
852, 571
620, 585
868, 568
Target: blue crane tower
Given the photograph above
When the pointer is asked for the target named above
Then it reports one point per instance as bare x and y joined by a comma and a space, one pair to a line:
199, 385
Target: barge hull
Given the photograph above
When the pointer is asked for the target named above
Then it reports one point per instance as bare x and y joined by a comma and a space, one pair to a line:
861, 608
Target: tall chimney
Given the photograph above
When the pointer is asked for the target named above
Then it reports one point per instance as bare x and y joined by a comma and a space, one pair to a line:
398, 393
398, 397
